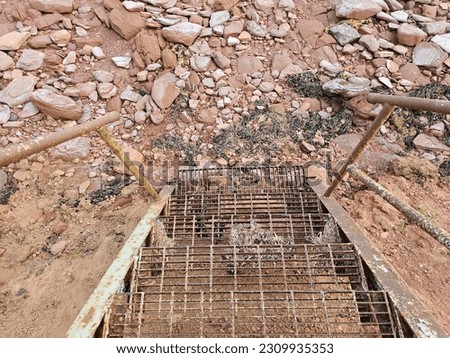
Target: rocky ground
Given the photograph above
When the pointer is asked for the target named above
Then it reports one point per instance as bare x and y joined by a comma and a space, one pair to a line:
213, 82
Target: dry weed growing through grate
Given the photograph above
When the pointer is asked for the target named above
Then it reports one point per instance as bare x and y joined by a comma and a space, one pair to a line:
329, 235
253, 244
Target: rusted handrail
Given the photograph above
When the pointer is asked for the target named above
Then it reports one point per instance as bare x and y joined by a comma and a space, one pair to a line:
440, 235
15, 152
389, 103
422, 104
361, 146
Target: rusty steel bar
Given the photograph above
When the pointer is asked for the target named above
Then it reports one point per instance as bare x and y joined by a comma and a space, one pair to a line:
422, 104
361, 146
117, 149
440, 235
15, 152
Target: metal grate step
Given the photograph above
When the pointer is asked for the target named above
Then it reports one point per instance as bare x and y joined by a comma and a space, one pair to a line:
254, 268
241, 180
251, 314
245, 203
212, 230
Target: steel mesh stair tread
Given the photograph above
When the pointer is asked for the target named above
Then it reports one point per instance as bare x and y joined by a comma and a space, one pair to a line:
251, 314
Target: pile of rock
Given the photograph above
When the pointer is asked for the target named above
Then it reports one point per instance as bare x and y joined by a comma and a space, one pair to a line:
206, 64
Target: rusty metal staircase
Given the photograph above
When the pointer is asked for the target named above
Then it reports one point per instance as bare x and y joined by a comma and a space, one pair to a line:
248, 252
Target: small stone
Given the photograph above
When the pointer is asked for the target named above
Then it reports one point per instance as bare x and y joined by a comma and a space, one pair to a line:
127, 24
370, 42
208, 82
98, 53
353, 86
70, 58
103, 76
219, 18
56, 105
266, 87
443, 41
255, 29
425, 142
221, 60
200, 63
386, 81
6, 62
164, 92
248, 64
107, 90
410, 35
18, 91
58, 248
72, 149
435, 28
12, 41
185, 33
130, 95
140, 117
264, 5
156, 118
428, 55
134, 6
169, 59
61, 37
53, 6
357, 9
28, 110
5, 113
121, 61
400, 16
344, 34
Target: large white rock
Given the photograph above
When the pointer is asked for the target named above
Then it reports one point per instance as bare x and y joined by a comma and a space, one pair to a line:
18, 91
13, 40
30, 60
428, 54
56, 105
6, 62
53, 6
164, 91
443, 41
357, 9
184, 33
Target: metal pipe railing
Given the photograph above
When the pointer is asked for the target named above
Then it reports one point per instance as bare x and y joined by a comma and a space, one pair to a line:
421, 104
360, 147
15, 152
440, 235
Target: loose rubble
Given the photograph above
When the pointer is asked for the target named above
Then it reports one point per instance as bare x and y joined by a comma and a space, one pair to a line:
195, 70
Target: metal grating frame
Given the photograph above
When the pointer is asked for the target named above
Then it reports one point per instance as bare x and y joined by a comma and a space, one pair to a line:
241, 179
252, 268
251, 314
246, 203
201, 230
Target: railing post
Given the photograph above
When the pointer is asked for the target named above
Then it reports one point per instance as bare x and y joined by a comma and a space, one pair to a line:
117, 149
382, 117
